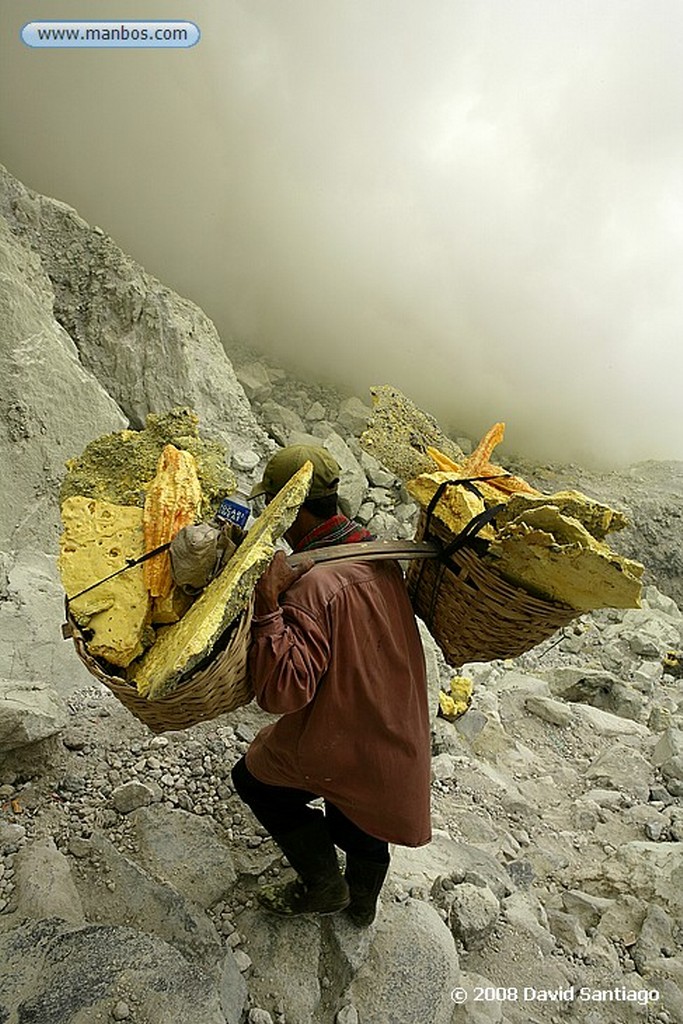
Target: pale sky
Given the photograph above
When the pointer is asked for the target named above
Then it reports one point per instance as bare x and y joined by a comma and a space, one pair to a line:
479, 202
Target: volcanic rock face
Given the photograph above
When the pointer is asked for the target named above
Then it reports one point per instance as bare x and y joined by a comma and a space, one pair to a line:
128, 864
149, 348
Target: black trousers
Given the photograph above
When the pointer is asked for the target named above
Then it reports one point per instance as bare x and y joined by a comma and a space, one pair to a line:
281, 809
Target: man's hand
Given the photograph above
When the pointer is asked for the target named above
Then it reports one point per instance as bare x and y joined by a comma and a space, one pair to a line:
277, 578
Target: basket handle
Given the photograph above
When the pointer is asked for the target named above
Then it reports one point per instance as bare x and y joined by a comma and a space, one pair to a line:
369, 551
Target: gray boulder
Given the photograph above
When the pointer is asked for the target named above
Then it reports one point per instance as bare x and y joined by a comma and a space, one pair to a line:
305, 437
315, 413
149, 348
472, 913
11, 836
672, 770
353, 416
55, 973
650, 871
280, 421
624, 769
347, 1015
596, 687
606, 724
656, 942
353, 483
568, 931
130, 796
659, 602
349, 945
384, 525
444, 767
44, 886
255, 380
375, 472
433, 663
446, 857
365, 513
114, 890
646, 633
411, 968
554, 712
185, 851
286, 954
668, 753
31, 644
585, 907
526, 915
29, 712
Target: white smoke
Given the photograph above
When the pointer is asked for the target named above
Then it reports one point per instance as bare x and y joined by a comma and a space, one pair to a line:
479, 202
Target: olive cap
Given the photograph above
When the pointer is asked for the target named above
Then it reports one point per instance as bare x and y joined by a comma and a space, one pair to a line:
284, 464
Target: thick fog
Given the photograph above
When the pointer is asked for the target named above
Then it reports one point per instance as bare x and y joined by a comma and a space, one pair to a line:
480, 202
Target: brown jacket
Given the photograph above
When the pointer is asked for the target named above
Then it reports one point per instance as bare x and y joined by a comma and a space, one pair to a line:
342, 662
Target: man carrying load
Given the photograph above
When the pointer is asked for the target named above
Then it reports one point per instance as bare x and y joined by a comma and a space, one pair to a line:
337, 653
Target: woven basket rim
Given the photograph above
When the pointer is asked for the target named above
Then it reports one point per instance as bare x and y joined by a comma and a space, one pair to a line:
471, 610
216, 688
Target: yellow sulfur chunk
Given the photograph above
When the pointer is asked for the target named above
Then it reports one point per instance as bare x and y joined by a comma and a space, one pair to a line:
454, 704
456, 506
555, 557
173, 501
190, 641
444, 464
550, 545
477, 465
481, 456
98, 537
119, 467
597, 518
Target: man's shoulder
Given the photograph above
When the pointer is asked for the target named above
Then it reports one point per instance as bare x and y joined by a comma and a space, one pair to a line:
324, 582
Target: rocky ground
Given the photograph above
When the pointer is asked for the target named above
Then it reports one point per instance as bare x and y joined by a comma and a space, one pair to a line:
555, 865
551, 890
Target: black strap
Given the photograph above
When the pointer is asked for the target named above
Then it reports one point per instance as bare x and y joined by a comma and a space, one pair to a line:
466, 535
477, 523
467, 482
471, 529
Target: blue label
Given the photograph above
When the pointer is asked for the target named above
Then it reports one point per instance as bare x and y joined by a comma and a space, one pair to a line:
233, 512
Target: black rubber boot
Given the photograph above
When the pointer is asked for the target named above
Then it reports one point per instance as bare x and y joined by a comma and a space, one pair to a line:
365, 879
320, 888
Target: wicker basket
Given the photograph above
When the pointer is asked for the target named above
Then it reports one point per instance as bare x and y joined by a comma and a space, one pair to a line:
470, 610
221, 685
